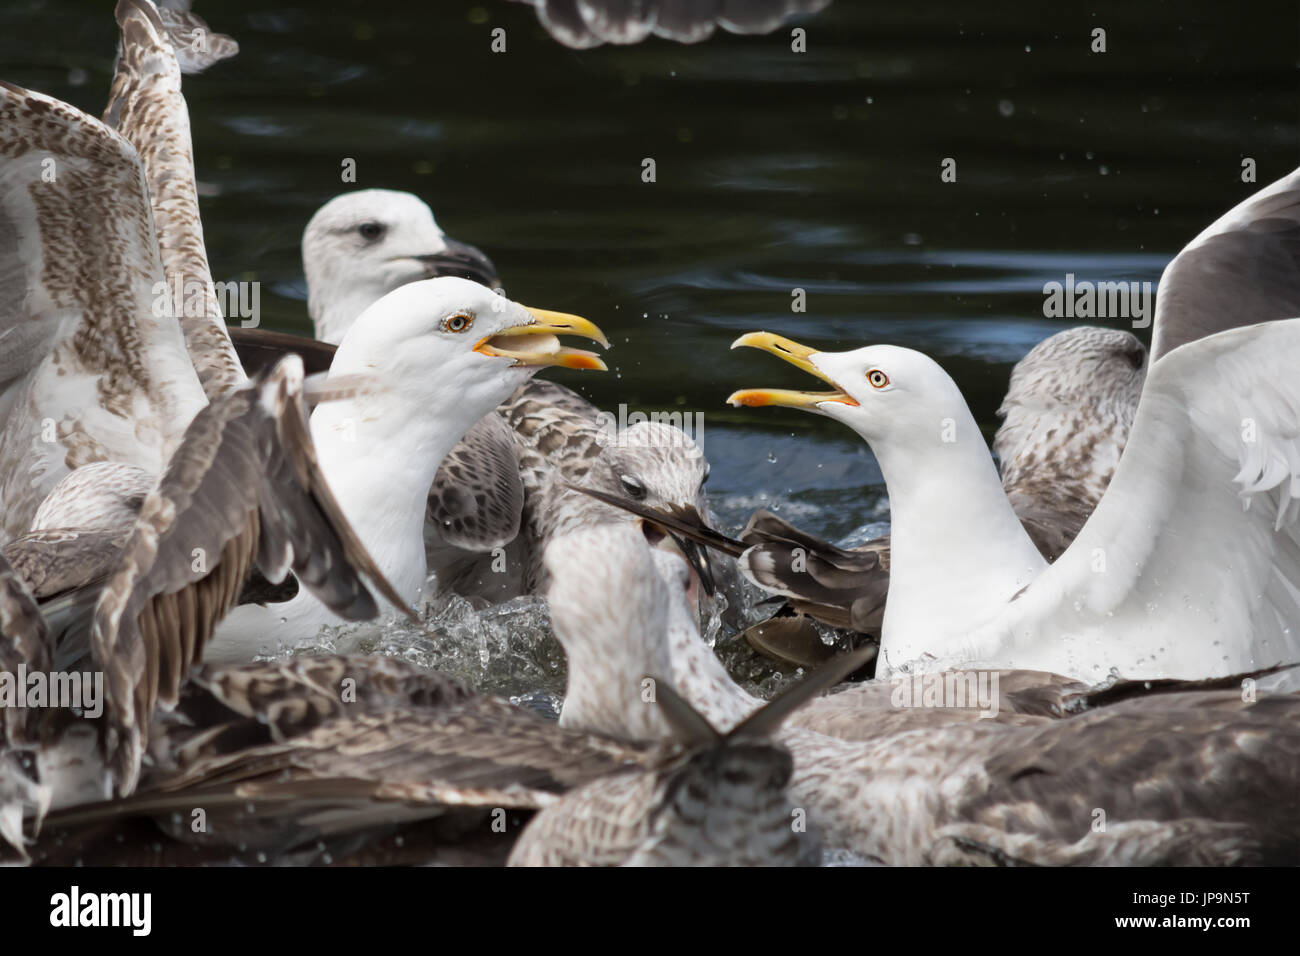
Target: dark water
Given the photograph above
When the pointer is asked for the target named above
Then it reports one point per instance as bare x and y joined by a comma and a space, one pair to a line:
775, 170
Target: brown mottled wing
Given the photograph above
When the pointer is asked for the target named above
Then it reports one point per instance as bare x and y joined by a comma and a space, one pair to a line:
323, 746
58, 560
242, 487
477, 496
1242, 270
842, 587
556, 421
600, 824
196, 46
582, 24
1207, 759
146, 107
24, 640
79, 265
303, 525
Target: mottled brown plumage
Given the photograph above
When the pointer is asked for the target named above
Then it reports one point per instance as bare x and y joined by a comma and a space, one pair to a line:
79, 259
937, 785
147, 108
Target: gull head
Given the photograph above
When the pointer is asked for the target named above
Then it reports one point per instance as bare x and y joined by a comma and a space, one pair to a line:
1085, 367
662, 467
883, 392
362, 245
452, 345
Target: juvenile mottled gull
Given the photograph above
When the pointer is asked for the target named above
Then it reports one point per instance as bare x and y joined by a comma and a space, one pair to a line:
720, 801
952, 789
408, 766
137, 603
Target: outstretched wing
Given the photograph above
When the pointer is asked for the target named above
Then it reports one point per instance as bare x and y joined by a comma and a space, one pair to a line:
92, 364
1170, 577
196, 46
243, 487
1242, 269
146, 107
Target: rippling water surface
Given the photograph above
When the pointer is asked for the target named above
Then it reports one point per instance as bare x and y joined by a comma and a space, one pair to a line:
775, 170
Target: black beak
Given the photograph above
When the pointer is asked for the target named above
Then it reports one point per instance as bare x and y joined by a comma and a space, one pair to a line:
463, 260
687, 528
698, 558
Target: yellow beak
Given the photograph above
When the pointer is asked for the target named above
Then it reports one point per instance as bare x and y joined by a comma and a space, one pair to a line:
798, 356
535, 342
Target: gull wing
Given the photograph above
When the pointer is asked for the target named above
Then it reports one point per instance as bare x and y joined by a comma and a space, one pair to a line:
1190, 566
242, 488
196, 46
80, 310
1242, 269
147, 108
477, 497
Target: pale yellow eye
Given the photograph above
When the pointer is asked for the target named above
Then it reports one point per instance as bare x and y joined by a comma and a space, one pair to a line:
458, 322
877, 378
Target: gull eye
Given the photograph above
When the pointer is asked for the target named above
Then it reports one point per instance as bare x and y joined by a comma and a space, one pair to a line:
370, 231
877, 378
632, 486
458, 322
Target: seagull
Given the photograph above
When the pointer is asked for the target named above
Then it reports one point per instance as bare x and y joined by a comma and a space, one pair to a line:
1066, 417
593, 22
99, 371
935, 787
283, 763
491, 498
719, 800
1205, 482
339, 759
136, 602
381, 446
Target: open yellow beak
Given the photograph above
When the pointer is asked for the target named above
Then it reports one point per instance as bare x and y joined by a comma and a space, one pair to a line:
798, 356
535, 342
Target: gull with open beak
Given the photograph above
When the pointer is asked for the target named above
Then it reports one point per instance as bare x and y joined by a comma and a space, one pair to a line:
423, 364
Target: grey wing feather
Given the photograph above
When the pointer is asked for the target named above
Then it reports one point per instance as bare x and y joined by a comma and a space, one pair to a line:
478, 494
1242, 270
